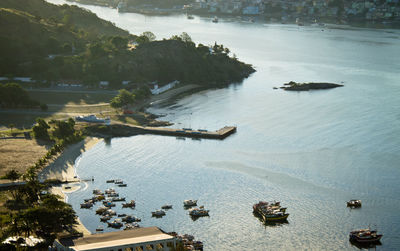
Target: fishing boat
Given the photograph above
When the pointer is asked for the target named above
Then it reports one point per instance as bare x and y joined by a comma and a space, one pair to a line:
108, 203
87, 205
118, 199
113, 194
101, 210
123, 185
130, 219
121, 215
110, 212
365, 236
98, 192
109, 190
189, 203
99, 229
198, 212
166, 206
270, 211
130, 204
115, 223
354, 203
158, 213
129, 226
105, 217
118, 181
110, 181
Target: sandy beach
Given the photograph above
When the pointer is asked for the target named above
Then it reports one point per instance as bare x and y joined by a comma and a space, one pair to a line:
63, 169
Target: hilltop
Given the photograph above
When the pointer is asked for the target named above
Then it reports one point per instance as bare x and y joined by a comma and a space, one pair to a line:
50, 42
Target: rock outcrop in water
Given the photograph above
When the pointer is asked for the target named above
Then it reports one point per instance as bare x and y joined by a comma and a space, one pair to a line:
293, 86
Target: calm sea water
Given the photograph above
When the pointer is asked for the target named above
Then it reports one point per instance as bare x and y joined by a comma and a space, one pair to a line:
312, 151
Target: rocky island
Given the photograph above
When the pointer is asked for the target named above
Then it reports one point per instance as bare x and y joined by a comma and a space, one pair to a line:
293, 86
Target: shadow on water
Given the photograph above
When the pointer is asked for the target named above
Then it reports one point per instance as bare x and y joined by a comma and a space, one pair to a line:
366, 246
270, 223
195, 218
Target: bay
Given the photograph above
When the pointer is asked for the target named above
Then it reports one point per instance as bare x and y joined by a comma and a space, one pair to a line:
312, 151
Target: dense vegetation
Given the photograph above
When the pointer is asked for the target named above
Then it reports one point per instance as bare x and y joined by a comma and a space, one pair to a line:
13, 96
49, 42
31, 210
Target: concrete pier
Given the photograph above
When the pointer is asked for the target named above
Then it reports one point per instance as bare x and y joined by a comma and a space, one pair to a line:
190, 133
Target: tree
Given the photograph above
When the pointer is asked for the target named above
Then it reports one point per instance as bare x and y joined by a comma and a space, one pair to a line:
185, 37
150, 35
11, 175
40, 129
64, 129
11, 126
124, 98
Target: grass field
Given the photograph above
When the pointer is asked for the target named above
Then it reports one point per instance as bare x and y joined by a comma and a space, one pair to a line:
71, 97
19, 154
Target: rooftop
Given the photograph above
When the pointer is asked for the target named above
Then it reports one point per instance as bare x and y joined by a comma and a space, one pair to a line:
113, 239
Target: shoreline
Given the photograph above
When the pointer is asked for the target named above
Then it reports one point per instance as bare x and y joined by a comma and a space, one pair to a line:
63, 168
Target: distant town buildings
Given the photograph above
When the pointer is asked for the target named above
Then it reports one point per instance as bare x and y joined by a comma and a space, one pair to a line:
292, 9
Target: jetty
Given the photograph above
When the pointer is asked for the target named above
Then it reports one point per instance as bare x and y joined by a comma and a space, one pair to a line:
124, 130
190, 133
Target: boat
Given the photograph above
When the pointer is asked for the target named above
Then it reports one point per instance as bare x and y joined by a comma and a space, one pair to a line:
198, 212
158, 213
108, 203
130, 219
113, 194
270, 211
110, 181
215, 19
190, 17
115, 223
105, 217
98, 197
101, 210
121, 215
109, 190
365, 236
98, 192
118, 199
118, 181
166, 206
130, 204
87, 205
110, 212
189, 203
99, 229
129, 226
354, 203
122, 185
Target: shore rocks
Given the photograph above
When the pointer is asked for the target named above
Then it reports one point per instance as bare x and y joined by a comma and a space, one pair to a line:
293, 86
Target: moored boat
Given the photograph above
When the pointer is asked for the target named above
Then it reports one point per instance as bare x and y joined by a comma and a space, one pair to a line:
198, 212
354, 203
129, 226
110, 181
270, 211
123, 185
158, 213
130, 219
365, 236
118, 199
87, 205
130, 204
166, 206
189, 203
115, 223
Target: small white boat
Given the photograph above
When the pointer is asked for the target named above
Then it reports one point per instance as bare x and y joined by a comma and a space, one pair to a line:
354, 203
118, 199
109, 191
87, 205
215, 19
129, 226
118, 181
115, 223
189, 203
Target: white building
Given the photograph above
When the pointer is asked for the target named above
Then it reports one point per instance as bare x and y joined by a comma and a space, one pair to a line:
140, 239
157, 90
